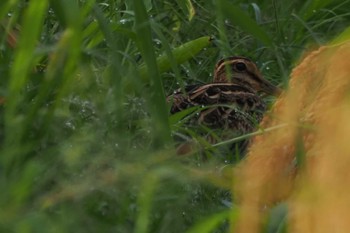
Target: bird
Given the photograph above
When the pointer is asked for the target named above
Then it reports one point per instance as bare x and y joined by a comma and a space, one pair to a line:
231, 105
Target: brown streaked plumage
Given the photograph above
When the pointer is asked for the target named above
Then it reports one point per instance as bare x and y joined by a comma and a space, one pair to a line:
231, 103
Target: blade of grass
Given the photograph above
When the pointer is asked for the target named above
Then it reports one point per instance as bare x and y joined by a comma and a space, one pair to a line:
168, 52
116, 71
210, 223
257, 12
241, 19
180, 54
58, 77
157, 97
245, 136
22, 65
145, 202
311, 6
309, 29
188, 8
177, 117
66, 11
61, 68
224, 44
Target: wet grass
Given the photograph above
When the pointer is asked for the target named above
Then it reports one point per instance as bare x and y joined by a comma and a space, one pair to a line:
85, 136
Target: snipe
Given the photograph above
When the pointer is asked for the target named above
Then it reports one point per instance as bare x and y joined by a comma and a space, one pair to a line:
229, 106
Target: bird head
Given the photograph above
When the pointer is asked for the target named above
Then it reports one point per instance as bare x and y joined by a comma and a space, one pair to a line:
242, 71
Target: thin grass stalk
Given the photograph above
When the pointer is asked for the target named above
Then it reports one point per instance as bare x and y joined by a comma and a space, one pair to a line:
220, 19
156, 96
22, 66
116, 70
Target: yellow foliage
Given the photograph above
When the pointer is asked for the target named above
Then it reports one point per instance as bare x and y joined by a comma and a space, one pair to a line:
316, 112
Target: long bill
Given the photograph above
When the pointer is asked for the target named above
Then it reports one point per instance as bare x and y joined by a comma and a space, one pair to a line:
270, 89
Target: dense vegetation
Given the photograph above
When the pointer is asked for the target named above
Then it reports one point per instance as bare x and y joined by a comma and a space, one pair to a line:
85, 136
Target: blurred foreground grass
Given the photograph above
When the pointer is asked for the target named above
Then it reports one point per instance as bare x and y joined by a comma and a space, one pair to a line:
308, 165
85, 139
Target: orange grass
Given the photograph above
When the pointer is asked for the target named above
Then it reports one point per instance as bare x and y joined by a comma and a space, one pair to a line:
316, 111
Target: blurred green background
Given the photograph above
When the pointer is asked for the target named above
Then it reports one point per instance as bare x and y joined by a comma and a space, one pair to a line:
85, 136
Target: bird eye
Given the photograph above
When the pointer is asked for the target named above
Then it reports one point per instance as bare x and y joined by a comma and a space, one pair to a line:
240, 66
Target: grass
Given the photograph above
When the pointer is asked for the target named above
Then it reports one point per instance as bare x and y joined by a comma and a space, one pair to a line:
85, 138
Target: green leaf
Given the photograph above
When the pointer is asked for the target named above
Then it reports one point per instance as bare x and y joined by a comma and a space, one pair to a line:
210, 223
181, 54
240, 18
157, 97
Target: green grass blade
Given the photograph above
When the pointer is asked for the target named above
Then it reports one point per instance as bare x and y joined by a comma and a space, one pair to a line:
309, 29
22, 65
224, 43
66, 10
63, 62
257, 13
32, 25
115, 70
157, 96
311, 6
188, 8
177, 117
210, 223
241, 19
181, 54
145, 202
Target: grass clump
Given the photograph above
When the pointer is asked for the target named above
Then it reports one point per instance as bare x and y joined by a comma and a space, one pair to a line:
85, 138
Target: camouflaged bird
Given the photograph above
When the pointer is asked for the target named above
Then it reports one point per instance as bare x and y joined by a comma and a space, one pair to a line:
229, 106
